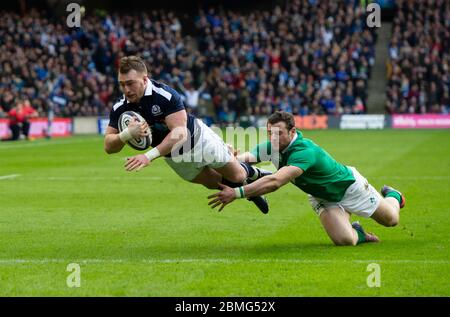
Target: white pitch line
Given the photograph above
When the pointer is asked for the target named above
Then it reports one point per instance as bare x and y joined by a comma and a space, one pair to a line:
9, 176
218, 260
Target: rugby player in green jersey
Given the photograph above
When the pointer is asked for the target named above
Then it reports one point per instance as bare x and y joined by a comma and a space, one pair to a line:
335, 191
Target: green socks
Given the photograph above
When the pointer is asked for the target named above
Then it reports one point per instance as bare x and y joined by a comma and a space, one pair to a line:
361, 236
395, 195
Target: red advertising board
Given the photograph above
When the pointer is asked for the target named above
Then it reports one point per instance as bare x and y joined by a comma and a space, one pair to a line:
421, 121
311, 122
39, 126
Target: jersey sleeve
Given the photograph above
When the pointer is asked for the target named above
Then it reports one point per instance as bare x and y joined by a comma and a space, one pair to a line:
173, 105
262, 152
303, 160
114, 120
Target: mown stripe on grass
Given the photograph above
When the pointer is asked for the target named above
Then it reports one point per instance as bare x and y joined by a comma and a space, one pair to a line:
45, 142
214, 260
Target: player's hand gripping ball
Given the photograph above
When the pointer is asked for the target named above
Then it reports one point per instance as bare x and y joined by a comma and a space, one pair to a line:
138, 143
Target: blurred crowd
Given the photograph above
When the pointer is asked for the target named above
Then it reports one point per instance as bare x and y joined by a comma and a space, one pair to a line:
305, 57
72, 72
419, 58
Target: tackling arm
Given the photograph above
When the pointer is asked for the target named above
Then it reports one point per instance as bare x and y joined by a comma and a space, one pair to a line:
272, 182
262, 186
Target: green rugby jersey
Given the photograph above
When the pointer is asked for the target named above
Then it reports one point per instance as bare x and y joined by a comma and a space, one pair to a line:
322, 176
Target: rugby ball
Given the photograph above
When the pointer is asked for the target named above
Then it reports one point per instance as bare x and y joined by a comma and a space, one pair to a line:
140, 143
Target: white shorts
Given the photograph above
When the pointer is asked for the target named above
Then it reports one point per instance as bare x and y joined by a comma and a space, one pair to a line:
209, 150
360, 198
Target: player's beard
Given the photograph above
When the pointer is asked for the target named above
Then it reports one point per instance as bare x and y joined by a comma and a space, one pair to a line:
276, 145
135, 97
280, 146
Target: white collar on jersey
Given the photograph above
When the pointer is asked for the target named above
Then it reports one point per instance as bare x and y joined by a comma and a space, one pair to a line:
148, 89
292, 141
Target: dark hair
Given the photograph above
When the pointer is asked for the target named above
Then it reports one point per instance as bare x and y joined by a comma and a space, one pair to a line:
282, 116
128, 63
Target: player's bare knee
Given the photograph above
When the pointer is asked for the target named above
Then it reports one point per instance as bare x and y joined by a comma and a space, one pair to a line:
391, 221
108, 150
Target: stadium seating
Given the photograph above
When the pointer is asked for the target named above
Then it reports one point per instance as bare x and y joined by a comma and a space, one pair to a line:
419, 58
306, 57
303, 58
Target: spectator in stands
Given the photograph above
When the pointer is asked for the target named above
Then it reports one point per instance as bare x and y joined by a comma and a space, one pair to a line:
3, 114
191, 95
19, 117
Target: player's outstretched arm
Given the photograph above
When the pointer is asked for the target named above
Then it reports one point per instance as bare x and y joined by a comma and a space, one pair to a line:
273, 182
176, 122
114, 141
260, 187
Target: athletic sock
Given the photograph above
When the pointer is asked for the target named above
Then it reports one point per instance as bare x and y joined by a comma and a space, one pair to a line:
361, 236
395, 195
250, 170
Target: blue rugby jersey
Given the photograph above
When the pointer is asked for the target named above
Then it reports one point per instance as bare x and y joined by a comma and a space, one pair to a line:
159, 101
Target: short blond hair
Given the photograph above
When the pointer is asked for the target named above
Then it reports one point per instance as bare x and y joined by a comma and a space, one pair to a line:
128, 63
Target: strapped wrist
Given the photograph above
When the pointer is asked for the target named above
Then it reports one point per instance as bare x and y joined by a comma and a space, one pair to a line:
152, 154
125, 135
239, 192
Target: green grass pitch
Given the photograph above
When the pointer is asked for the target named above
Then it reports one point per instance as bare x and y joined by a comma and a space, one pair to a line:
151, 234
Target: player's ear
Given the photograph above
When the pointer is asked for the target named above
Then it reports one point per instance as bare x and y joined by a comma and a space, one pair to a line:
293, 131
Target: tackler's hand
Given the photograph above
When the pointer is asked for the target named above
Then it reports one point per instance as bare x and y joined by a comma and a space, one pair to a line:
224, 197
